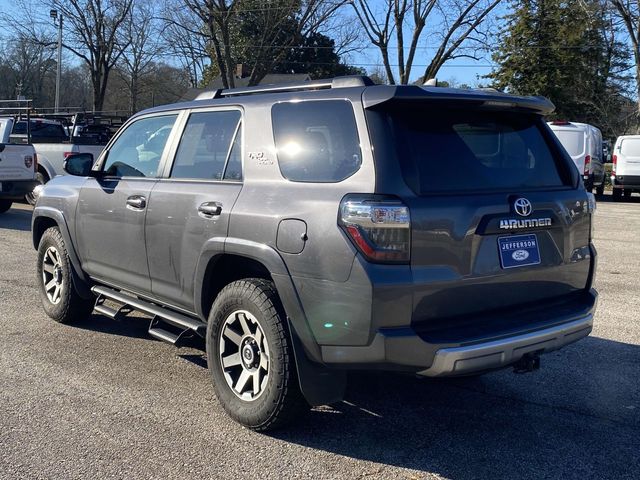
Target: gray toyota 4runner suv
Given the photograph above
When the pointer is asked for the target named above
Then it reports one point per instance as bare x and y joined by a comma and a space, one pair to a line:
305, 230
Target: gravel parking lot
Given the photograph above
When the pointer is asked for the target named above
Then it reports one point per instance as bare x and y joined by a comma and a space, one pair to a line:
101, 399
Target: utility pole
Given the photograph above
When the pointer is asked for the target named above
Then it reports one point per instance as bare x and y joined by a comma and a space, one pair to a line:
58, 23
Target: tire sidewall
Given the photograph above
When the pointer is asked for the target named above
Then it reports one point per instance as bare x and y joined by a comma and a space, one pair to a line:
58, 311
257, 412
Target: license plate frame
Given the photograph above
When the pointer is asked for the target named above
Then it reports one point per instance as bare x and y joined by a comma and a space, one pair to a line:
519, 250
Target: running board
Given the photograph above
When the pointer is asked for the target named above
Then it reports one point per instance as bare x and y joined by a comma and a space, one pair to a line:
129, 303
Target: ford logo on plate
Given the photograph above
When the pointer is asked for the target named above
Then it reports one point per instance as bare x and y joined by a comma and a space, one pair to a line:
520, 255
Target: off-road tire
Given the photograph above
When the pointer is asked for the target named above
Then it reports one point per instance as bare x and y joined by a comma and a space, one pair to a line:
70, 306
5, 205
281, 400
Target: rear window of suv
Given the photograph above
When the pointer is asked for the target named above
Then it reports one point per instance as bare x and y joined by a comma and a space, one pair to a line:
461, 150
316, 141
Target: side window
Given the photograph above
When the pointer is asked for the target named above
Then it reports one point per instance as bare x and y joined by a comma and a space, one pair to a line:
316, 141
206, 144
138, 150
234, 165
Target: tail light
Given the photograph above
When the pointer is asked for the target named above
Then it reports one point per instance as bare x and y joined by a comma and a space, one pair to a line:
379, 226
587, 166
614, 160
67, 154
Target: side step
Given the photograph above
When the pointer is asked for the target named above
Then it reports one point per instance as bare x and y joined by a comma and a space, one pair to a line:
178, 326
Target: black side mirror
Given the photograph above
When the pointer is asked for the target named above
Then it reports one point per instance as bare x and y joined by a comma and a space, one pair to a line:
79, 164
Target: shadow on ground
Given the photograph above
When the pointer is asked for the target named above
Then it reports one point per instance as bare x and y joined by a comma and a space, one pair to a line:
16, 219
578, 417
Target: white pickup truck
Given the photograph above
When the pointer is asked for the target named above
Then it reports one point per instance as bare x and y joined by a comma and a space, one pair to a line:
52, 147
18, 167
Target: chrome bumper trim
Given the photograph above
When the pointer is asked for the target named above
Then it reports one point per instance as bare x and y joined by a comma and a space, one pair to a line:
501, 353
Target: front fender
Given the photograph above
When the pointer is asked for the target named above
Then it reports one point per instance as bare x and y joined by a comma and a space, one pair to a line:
80, 281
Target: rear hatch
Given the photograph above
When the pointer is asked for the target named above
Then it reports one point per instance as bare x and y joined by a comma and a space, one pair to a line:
498, 221
574, 140
628, 157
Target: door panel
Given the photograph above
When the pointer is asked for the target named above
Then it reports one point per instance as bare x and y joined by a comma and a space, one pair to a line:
110, 225
110, 232
194, 204
177, 230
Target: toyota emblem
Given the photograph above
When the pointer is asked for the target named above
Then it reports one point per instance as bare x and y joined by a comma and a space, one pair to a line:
523, 207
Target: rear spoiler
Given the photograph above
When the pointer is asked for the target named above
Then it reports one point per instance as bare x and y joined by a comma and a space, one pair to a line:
480, 98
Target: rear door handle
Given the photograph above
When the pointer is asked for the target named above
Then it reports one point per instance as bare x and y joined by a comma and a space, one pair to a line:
136, 202
210, 209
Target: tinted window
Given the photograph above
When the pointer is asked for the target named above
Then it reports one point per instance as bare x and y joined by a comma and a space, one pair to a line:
138, 150
205, 145
316, 141
630, 147
460, 150
234, 165
41, 130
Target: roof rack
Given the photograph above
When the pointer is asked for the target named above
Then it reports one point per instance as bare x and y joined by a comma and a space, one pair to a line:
338, 82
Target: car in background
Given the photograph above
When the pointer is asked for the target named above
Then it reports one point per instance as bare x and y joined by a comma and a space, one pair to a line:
18, 166
625, 173
583, 143
53, 146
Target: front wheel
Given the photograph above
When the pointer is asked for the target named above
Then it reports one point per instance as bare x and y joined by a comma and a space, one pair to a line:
5, 205
251, 358
59, 297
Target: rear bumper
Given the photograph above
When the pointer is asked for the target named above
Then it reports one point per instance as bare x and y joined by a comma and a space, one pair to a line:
501, 353
411, 350
626, 181
16, 189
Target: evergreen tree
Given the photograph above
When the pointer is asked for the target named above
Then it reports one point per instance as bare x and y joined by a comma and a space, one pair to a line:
561, 50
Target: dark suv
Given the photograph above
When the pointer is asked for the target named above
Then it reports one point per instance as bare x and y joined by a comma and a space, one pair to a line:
304, 230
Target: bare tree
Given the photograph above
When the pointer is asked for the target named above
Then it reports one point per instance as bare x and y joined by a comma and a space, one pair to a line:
275, 27
629, 12
453, 26
93, 31
140, 33
185, 38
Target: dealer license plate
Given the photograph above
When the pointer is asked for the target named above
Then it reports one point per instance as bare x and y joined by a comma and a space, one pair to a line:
518, 250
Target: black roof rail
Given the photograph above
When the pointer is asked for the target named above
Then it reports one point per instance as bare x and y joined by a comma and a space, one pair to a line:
338, 82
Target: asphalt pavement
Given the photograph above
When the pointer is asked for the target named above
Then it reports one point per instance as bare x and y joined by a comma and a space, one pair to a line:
100, 399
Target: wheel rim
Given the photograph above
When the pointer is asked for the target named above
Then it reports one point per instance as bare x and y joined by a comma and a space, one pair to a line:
52, 275
244, 355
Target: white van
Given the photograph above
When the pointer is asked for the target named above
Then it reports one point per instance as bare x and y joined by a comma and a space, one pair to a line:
583, 143
625, 173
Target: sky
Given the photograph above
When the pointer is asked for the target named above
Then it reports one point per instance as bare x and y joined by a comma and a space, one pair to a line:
462, 70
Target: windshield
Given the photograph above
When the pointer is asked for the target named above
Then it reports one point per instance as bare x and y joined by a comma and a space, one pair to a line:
461, 150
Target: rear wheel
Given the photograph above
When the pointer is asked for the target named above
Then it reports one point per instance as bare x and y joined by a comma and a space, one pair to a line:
5, 205
617, 194
59, 297
251, 358
30, 197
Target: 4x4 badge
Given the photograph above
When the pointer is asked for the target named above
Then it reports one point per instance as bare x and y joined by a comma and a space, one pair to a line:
523, 207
